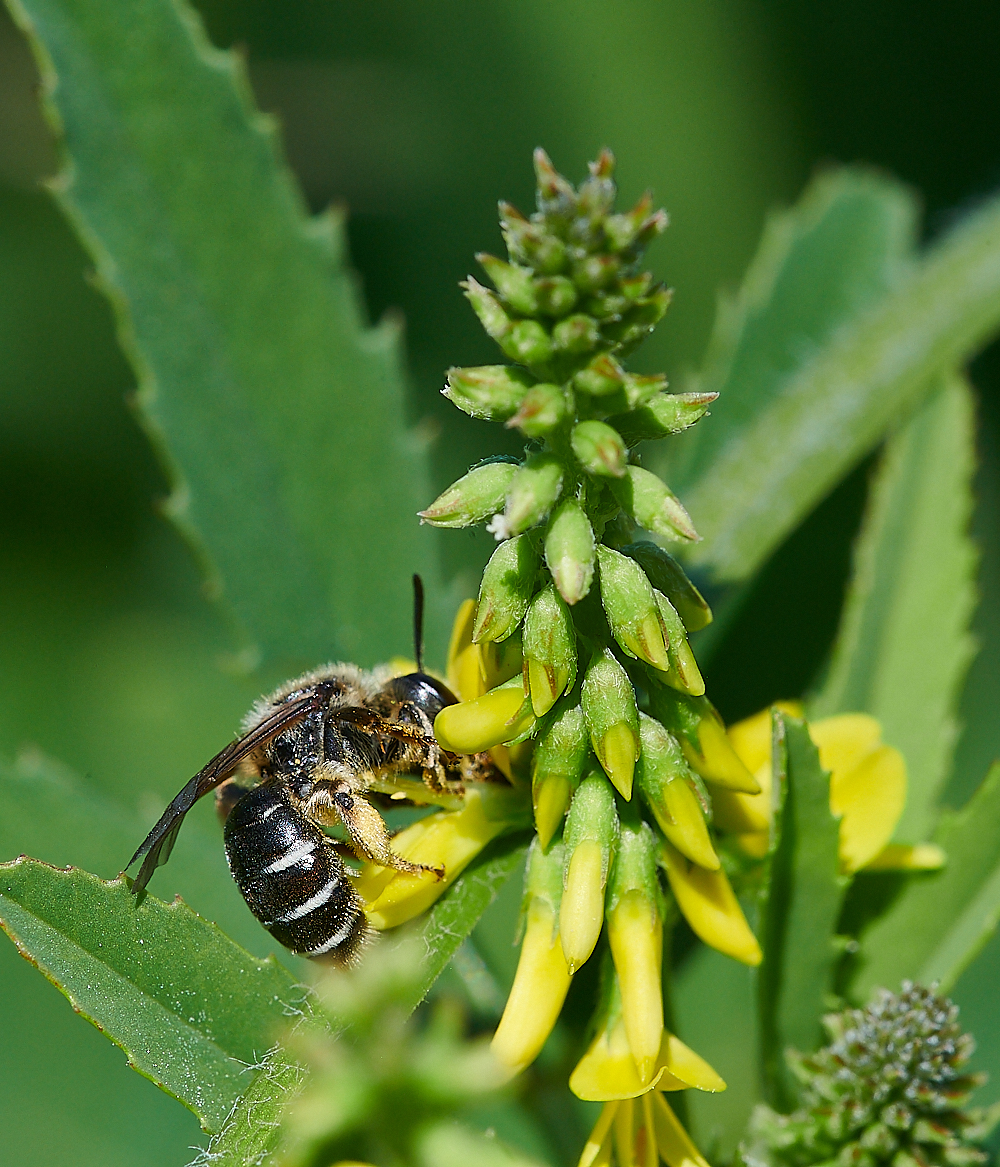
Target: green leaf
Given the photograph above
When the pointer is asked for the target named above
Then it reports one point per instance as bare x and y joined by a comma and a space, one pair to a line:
800, 908
277, 412
837, 392
941, 919
252, 1130
904, 645
455, 914
193, 1011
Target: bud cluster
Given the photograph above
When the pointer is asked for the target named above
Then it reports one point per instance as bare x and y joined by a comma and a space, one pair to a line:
587, 682
890, 1088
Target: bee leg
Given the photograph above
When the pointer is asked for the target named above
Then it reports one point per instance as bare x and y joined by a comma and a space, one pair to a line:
369, 837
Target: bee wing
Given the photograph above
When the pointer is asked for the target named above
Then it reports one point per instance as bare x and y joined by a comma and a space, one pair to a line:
160, 841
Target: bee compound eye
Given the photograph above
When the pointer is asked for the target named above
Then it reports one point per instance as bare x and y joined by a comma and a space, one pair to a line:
427, 693
343, 800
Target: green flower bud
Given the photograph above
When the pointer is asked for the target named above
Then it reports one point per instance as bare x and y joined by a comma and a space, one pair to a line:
683, 672
667, 576
504, 594
531, 495
590, 839
569, 551
500, 660
491, 392
608, 701
631, 608
599, 449
640, 388
665, 782
556, 295
601, 377
594, 272
514, 283
549, 648
492, 315
653, 226
527, 343
561, 753
663, 414
556, 196
502, 715
636, 287
475, 497
530, 243
542, 410
636, 324
576, 335
653, 505
695, 723
622, 230
596, 195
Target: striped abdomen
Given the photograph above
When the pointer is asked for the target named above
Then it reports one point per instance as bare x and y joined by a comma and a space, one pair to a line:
291, 878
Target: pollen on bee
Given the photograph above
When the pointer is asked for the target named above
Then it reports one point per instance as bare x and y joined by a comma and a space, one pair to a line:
396, 795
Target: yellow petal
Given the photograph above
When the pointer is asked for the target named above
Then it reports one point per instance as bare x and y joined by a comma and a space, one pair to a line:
751, 739
711, 907
870, 797
672, 1140
900, 857
636, 937
492, 719
499, 660
551, 796
607, 1071
600, 1137
618, 752
716, 760
581, 913
844, 740
539, 989
624, 1132
687, 1066
754, 844
514, 762
452, 839
686, 827
464, 676
744, 814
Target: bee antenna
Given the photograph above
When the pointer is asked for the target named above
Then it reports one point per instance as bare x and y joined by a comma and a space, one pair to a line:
418, 621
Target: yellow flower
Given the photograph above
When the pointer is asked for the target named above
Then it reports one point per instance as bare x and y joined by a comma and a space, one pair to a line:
640, 1133
867, 790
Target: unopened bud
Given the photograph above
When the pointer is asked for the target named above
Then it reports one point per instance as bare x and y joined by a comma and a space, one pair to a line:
532, 493
664, 781
621, 230
491, 392
639, 321
556, 295
474, 497
514, 283
530, 243
667, 576
499, 660
635, 934
549, 646
561, 753
596, 195
599, 449
543, 976
576, 335
631, 608
542, 409
642, 387
492, 314
556, 196
653, 505
501, 715
601, 377
608, 701
594, 272
569, 551
506, 590
660, 415
591, 835
528, 343
699, 729
683, 672
711, 908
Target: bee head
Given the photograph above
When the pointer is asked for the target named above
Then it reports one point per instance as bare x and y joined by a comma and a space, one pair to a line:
426, 692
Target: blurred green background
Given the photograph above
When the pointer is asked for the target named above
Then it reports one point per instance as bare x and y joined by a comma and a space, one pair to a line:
418, 116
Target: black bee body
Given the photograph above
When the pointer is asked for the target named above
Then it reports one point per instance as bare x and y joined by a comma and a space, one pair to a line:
293, 881
308, 753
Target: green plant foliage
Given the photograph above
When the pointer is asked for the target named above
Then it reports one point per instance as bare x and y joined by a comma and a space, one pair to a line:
226, 295
905, 645
850, 384
192, 1010
802, 901
891, 1087
941, 919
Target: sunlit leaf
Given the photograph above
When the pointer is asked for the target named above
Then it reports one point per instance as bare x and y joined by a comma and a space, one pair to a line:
825, 390
193, 1011
276, 411
904, 644
801, 904
941, 919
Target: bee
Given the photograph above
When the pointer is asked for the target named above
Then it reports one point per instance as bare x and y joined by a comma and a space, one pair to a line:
306, 755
